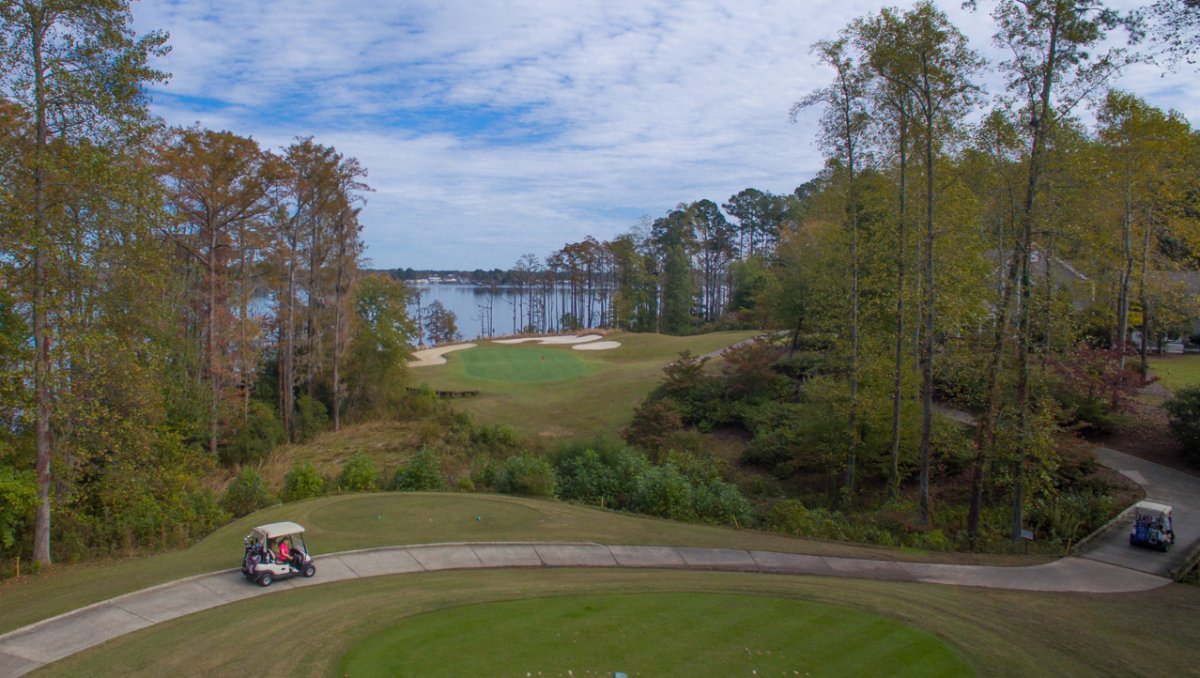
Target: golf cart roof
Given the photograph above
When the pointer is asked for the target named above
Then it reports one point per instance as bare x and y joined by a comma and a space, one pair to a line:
1152, 507
276, 530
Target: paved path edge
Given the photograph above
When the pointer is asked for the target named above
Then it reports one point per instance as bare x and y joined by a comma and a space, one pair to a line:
30, 647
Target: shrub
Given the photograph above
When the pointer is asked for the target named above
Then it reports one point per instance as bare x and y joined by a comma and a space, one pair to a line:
664, 491
18, 497
260, 434
1183, 414
302, 482
585, 477
961, 378
601, 471
484, 473
246, 494
202, 514
422, 473
720, 502
498, 438
791, 517
311, 417
526, 475
652, 426
359, 474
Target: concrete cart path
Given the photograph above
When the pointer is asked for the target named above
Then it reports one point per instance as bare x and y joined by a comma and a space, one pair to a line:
1178, 489
33, 646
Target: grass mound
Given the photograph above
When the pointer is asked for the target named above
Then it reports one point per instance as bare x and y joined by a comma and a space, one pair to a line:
524, 364
694, 635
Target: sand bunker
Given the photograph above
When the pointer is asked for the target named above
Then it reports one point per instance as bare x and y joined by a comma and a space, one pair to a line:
434, 356
597, 346
563, 339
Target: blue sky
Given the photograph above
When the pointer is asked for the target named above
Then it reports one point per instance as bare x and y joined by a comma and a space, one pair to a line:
493, 128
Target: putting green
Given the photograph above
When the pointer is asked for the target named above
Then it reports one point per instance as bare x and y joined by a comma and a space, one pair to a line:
523, 364
669, 634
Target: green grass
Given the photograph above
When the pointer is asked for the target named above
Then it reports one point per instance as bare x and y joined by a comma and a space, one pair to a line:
1177, 371
585, 405
348, 522
694, 635
307, 632
525, 364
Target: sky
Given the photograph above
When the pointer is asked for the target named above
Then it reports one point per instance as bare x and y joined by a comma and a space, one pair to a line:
495, 128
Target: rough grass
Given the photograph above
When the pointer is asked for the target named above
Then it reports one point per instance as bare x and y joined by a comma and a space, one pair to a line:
346, 522
599, 402
307, 632
1177, 371
694, 635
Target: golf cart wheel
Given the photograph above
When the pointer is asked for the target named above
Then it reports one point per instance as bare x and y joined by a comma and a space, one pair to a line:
1132, 540
310, 570
265, 579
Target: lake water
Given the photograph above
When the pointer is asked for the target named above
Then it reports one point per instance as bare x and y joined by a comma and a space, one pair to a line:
479, 311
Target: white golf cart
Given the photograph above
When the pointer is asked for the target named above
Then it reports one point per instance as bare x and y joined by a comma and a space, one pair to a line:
276, 551
1152, 526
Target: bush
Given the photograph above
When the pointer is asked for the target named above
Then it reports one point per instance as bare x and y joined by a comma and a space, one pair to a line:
422, 473
302, 482
499, 438
201, 514
246, 494
18, 498
652, 426
960, 377
791, 517
664, 491
585, 477
603, 471
1183, 414
721, 503
359, 474
526, 475
311, 417
260, 434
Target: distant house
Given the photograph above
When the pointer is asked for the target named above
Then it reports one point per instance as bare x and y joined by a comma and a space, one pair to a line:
1042, 268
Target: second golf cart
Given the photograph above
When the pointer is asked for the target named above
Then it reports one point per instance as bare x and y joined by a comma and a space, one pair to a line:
276, 551
1152, 526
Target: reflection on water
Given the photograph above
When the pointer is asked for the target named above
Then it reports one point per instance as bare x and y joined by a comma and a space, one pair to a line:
479, 311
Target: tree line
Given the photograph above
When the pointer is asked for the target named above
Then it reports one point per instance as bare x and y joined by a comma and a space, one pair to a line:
172, 298
992, 250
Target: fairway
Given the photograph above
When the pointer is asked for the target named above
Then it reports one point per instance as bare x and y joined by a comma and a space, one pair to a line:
523, 364
578, 395
651, 635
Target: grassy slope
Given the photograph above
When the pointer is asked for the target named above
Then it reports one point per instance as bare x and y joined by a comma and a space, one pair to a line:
999, 633
601, 402
348, 522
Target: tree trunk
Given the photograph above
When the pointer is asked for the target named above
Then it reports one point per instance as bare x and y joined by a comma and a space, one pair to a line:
1144, 367
1040, 121
214, 381
1126, 280
898, 373
41, 331
927, 334
287, 377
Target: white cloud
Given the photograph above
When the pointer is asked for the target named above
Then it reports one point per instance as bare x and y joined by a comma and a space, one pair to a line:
595, 111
